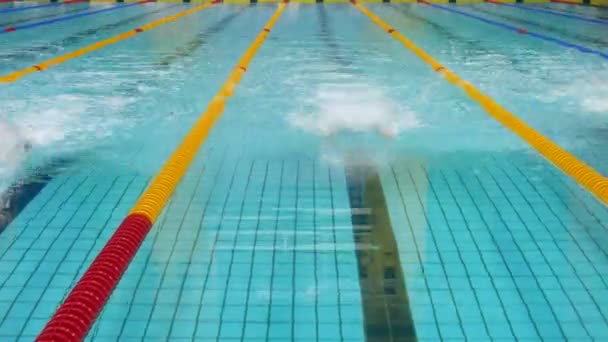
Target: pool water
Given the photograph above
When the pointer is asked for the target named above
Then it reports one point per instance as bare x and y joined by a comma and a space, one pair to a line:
347, 193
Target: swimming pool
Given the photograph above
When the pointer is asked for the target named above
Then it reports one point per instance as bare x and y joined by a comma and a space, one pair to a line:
348, 191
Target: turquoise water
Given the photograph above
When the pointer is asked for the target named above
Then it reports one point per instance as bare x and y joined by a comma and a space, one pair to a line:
347, 193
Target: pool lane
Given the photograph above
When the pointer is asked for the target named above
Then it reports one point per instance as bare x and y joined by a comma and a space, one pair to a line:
549, 12
262, 221
29, 8
483, 233
300, 219
524, 31
20, 18
24, 49
592, 11
51, 21
520, 74
116, 188
581, 33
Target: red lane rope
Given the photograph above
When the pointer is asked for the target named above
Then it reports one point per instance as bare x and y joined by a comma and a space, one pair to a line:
567, 2
76, 315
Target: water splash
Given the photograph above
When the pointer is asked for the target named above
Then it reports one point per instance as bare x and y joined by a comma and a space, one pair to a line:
354, 108
14, 147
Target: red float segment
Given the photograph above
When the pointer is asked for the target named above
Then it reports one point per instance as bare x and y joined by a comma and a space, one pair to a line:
3, 1
522, 31
567, 2
73, 1
76, 315
10, 29
494, 2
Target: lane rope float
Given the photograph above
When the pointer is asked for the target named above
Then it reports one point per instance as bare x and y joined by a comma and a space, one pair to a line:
14, 76
76, 315
582, 173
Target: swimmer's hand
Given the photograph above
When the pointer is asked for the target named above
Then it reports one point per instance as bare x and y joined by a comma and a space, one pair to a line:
387, 132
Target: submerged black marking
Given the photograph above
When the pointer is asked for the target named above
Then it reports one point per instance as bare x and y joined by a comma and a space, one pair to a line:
386, 305
199, 40
132, 87
23, 191
326, 36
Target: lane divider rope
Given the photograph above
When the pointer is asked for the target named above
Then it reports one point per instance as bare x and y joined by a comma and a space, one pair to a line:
519, 30
27, 8
70, 17
566, 2
546, 11
77, 314
14, 76
586, 176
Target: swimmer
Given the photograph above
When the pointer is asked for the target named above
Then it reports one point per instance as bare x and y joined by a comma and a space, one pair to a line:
14, 144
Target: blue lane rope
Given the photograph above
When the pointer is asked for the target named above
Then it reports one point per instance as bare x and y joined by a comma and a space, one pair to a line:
68, 17
546, 11
523, 31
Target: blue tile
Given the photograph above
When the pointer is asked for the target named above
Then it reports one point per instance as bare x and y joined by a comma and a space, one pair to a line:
280, 330
233, 314
329, 331
451, 331
256, 330
183, 329
207, 329
257, 313
231, 330
305, 331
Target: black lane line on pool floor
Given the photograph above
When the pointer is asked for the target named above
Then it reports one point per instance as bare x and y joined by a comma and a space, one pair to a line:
386, 307
57, 46
131, 87
22, 192
200, 39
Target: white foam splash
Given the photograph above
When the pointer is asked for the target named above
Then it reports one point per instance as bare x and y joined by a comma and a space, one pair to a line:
52, 125
355, 108
591, 94
13, 147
